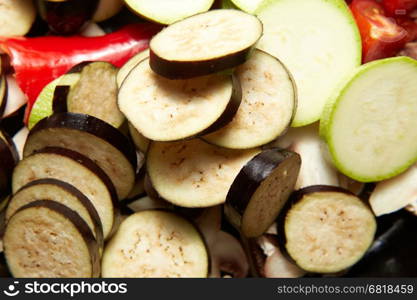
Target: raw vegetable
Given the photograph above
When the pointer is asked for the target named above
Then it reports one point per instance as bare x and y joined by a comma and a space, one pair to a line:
107, 9
3, 94
129, 65
57, 243
156, 243
320, 49
168, 12
15, 97
169, 110
261, 189
249, 6
9, 158
77, 170
19, 140
370, 127
141, 142
399, 7
16, 17
201, 44
325, 229
204, 172
99, 141
61, 192
53, 56
267, 108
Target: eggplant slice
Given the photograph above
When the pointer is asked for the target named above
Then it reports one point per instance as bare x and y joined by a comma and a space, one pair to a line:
92, 137
141, 142
129, 66
77, 170
204, 44
61, 192
95, 93
170, 110
261, 189
267, 108
155, 243
8, 159
193, 173
45, 239
326, 229
16, 17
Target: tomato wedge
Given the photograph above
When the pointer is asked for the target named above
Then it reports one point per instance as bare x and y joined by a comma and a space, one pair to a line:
381, 36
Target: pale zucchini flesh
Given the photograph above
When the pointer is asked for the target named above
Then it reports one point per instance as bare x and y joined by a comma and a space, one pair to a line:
371, 127
318, 41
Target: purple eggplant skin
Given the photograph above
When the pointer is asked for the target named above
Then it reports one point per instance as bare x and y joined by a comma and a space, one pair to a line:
187, 70
98, 230
91, 125
9, 158
59, 100
95, 169
253, 174
14, 122
67, 17
79, 223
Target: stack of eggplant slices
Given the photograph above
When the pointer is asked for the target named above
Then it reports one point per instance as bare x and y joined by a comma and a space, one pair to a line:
202, 156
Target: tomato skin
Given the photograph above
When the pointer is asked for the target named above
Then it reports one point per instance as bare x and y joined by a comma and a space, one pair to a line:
399, 7
381, 36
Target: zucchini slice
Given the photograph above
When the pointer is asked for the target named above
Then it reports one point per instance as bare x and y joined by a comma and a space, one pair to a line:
92, 137
325, 229
46, 239
261, 189
17, 17
267, 108
319, 42
61, 192
169, 110
95, 93
249, 6
204, 44
193, 173
371, 127
167, 12
155, 243
77, 170
396, 193
129, 65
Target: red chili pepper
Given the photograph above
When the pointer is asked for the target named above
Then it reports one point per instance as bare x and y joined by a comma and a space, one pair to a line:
381, 36
37, 61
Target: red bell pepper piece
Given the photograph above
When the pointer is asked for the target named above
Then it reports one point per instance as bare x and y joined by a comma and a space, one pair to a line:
381, 36
37, 61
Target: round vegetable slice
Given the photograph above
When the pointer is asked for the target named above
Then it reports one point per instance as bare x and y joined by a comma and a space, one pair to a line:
249, 6
169, 110
267, 107
46, 239
3, 94
97, 140
141, 142
107, 9
168, 12
95, 93
370, 127
43, 106
77, 170
9, 158
129, 65
320, 49
261, 189
17, 17
156, 243
325, 229
61, 192
194, 173
203, 44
